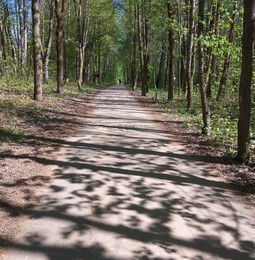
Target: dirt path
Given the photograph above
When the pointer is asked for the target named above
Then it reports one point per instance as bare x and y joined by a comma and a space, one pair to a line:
123, 189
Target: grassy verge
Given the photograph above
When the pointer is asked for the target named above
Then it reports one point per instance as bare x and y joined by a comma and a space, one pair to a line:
18, 109
224, 118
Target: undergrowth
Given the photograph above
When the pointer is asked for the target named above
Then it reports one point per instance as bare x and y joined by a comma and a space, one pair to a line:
224, 116
17, 105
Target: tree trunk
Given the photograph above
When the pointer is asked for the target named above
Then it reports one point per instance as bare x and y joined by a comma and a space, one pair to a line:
3, 42
171, 66
80, 67
25, 37
37, 50
212, 64
244, 123
171, 53
146, 53
161, 73
179, 72
202, 80
47, 52
60, 61
133, 49
21, 35
211, 75
183, 66
142, 48
1, 49
190, 54
82, 17
184, 49
9, 33
60, 13
22, 31
66, 36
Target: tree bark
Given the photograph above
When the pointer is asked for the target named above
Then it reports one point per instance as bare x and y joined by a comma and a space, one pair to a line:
133, 48
161, 73
214, 30
190, 54
82, 16
202, 74
244, 122
25, 32
142, 38
9, 33
46, 56
171, 53
22, 31
66, 43
1, 49
60, 13
37, 50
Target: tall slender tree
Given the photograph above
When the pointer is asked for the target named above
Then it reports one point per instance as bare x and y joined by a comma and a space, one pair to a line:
60, 7
37, 50
9, 34
1, 48
82, 9
46, 55
23, 31
171, 73
201, 68
244, 123
133, 46
143, 38
162, 64
190, 53
213, 30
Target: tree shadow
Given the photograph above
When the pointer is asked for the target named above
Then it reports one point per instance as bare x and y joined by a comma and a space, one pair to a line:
118, 197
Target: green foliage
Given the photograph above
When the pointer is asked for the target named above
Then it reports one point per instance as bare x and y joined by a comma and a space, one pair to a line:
37, 113
230, 152
112, 33
224, 125
17, 106
11, 134
223, 119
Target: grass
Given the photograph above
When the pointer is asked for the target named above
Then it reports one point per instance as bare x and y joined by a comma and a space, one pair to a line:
17, 105
36, 112
224, 116
11, 134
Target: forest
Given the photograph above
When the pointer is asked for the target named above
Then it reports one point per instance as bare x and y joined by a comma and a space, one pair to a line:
194, 55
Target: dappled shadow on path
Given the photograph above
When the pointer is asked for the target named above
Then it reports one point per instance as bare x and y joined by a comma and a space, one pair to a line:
122, 190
